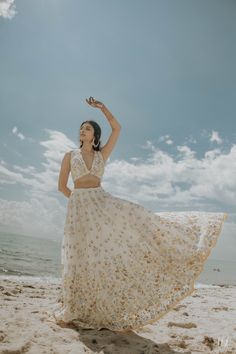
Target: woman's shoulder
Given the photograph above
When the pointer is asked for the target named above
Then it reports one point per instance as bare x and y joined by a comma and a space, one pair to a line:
69, 153
72, 151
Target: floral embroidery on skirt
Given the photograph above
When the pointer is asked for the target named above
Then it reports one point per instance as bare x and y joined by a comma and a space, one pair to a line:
124, 266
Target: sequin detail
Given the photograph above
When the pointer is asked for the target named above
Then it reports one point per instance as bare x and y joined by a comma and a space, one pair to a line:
79, 168
124, 266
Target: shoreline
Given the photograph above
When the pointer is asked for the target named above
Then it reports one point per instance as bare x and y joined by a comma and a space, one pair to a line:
57, 280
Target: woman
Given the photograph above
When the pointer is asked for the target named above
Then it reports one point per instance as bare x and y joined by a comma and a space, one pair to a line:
123, 266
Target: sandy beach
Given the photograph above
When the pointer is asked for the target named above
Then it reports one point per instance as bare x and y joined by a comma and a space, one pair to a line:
204, 322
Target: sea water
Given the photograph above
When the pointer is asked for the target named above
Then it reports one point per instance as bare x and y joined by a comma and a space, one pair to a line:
24, 256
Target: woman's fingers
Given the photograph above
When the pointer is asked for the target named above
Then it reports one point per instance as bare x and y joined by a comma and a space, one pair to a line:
92, 101
89, 101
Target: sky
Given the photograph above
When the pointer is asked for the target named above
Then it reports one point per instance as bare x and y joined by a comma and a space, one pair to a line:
166, 71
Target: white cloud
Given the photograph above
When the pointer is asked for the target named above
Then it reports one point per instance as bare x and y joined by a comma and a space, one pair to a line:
148, 145
16, 132
158, 180
166, 139
37, 217
163, 137
184, 180
11, 177
7, 8
186, 152
215, 137
190, 140
43, 213
169, 142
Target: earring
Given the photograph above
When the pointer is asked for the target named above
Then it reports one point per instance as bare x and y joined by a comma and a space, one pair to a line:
94, 144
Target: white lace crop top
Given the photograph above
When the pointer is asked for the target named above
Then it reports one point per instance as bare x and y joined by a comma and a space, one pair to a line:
79, 168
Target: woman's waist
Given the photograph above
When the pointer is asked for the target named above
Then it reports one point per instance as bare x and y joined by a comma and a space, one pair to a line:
94, 187
87, 182
77, 189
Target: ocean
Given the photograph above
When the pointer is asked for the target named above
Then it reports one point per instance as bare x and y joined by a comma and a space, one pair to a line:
24, 256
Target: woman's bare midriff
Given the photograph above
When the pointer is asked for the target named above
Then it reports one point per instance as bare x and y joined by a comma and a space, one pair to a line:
87, 181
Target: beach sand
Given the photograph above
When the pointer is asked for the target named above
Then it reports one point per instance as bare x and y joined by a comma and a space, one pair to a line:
204, 322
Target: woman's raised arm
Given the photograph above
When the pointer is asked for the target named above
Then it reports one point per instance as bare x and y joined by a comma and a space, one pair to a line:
115, 126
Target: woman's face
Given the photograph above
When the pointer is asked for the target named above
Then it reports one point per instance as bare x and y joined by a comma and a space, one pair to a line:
86, 132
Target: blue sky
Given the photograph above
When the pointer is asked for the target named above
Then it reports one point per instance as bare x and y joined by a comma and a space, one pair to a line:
165, 69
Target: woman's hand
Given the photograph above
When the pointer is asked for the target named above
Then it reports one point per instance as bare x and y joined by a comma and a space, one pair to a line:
94, 103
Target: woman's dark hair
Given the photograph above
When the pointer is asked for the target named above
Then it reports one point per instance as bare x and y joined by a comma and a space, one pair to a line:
97, 134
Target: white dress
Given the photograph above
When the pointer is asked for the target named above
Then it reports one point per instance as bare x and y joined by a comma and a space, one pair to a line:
124, 266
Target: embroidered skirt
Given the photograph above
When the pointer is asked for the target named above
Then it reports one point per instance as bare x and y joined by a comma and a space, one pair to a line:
124, 266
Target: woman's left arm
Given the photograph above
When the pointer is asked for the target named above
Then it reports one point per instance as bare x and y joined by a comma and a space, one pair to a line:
115, 125
111, 119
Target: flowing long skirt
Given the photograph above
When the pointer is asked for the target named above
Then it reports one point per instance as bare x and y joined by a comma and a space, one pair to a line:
124, 266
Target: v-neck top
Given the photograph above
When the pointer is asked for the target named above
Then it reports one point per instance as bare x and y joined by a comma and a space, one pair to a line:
79, 168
